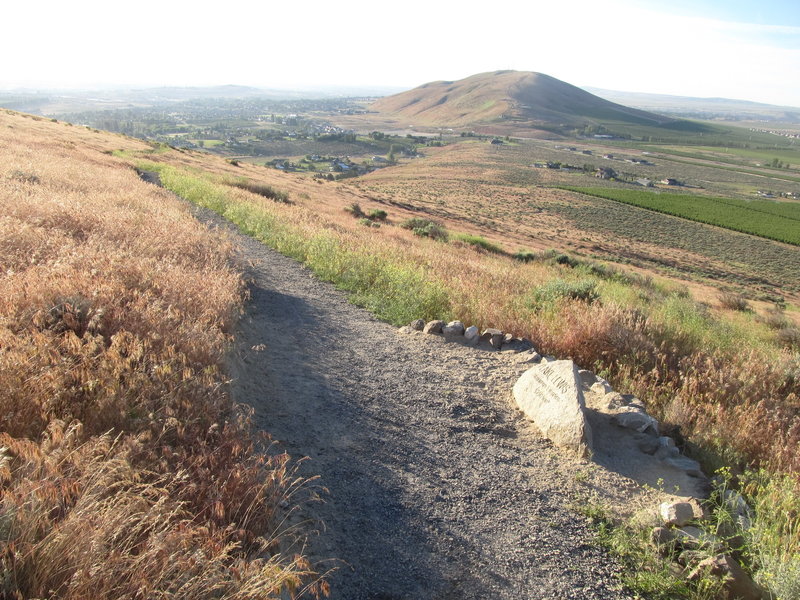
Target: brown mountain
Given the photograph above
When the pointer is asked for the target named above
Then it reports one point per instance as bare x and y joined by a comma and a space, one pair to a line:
508, 96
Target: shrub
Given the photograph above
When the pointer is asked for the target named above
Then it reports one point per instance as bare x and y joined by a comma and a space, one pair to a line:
368, 222
355, 210
378, 215
789, 337
525, 256
24, 177
734, 301
775, 319
426, 228
262, 189
555, 290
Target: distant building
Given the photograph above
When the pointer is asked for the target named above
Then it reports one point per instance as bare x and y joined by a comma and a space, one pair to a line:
644, 182
670, 181
605, 173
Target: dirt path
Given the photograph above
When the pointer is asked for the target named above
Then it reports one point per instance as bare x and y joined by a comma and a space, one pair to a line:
438, 488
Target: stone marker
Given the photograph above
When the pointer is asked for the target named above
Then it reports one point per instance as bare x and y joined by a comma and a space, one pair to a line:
433, 327
550, 395
417, 325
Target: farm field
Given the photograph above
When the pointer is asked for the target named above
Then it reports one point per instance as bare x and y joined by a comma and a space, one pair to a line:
497, 192
778, 221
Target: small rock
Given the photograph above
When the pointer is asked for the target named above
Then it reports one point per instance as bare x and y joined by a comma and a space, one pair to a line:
736, 583
453, 331
692, 467
636, 420
417, 325
516, 344
493, 336
529, 357
648, 445
676, 514
694, 538
665, 452
690, 558
739, 509
548, 358
663, 539
456, 326
471, 334
433, 327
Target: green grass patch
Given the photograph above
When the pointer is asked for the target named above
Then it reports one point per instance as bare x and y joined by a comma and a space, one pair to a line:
394, 290
477, 241
778, 221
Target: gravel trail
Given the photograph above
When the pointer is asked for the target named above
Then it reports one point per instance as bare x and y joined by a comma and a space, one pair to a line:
437, 486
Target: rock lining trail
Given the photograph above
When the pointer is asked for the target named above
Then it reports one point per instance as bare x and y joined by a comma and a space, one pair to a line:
437, 487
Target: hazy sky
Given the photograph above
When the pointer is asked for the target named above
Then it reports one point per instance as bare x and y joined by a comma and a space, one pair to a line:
710, 48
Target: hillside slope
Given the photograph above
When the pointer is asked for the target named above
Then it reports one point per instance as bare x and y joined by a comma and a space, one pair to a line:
508, 95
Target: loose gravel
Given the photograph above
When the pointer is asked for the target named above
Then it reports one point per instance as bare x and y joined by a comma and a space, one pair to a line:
433, 484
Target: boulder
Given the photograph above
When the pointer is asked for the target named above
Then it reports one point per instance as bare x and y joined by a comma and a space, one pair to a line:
433, 327
417, 325
550, 395
676, 514
471, 334
735, 582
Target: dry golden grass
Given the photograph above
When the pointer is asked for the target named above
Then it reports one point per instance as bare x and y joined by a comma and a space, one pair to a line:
126, 471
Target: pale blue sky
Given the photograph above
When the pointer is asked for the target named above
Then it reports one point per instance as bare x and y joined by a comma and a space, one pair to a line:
711, 48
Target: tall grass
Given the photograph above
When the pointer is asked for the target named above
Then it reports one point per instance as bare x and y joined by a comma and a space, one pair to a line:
394, 291
125, 469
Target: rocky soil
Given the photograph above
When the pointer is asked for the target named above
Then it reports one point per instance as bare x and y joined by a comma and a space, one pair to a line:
433, 483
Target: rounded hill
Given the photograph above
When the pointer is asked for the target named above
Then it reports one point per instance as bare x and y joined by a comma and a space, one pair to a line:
508, 96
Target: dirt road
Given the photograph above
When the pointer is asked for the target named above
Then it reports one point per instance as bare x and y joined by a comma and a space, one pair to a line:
438, 488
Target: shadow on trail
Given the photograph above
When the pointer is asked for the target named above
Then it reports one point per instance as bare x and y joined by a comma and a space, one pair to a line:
302, 398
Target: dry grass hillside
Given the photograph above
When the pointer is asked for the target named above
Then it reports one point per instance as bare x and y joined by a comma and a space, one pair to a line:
505, 95
117, 306
125, 470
